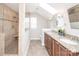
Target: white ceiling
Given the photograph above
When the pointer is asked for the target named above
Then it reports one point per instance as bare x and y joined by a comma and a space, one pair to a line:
59, 6
35, 8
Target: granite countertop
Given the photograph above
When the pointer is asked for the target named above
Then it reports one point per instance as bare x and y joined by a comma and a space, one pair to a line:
72, 47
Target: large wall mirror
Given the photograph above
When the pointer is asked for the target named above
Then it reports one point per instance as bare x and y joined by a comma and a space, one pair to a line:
74, 16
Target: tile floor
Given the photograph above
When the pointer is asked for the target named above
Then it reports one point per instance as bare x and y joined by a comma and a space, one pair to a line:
36, 49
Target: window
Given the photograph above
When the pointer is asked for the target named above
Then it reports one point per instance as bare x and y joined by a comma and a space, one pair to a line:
33, 22
27, 22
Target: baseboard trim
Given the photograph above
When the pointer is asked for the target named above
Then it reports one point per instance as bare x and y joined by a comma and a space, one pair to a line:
35, 38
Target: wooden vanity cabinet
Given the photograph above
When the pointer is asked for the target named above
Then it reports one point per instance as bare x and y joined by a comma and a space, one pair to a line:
63, 51
48, 44
45, 41
54, 48
70, 53
58, 49
73, 53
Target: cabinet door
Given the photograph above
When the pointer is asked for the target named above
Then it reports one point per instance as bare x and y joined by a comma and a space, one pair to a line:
45, 41
52, 47
1, 11
2, 46
14, 16
49, 45
63, 51
9, 14
56, 48
6, 13
69, 53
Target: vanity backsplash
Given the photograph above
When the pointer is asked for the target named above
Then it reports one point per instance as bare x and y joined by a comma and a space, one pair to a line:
72, 37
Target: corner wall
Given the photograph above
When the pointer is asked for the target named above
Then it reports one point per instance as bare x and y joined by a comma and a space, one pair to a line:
23, 32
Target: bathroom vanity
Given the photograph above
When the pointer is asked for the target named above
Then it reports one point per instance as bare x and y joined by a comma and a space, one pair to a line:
57, 45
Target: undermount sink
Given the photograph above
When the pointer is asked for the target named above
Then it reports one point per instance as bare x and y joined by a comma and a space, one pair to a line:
67, 41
